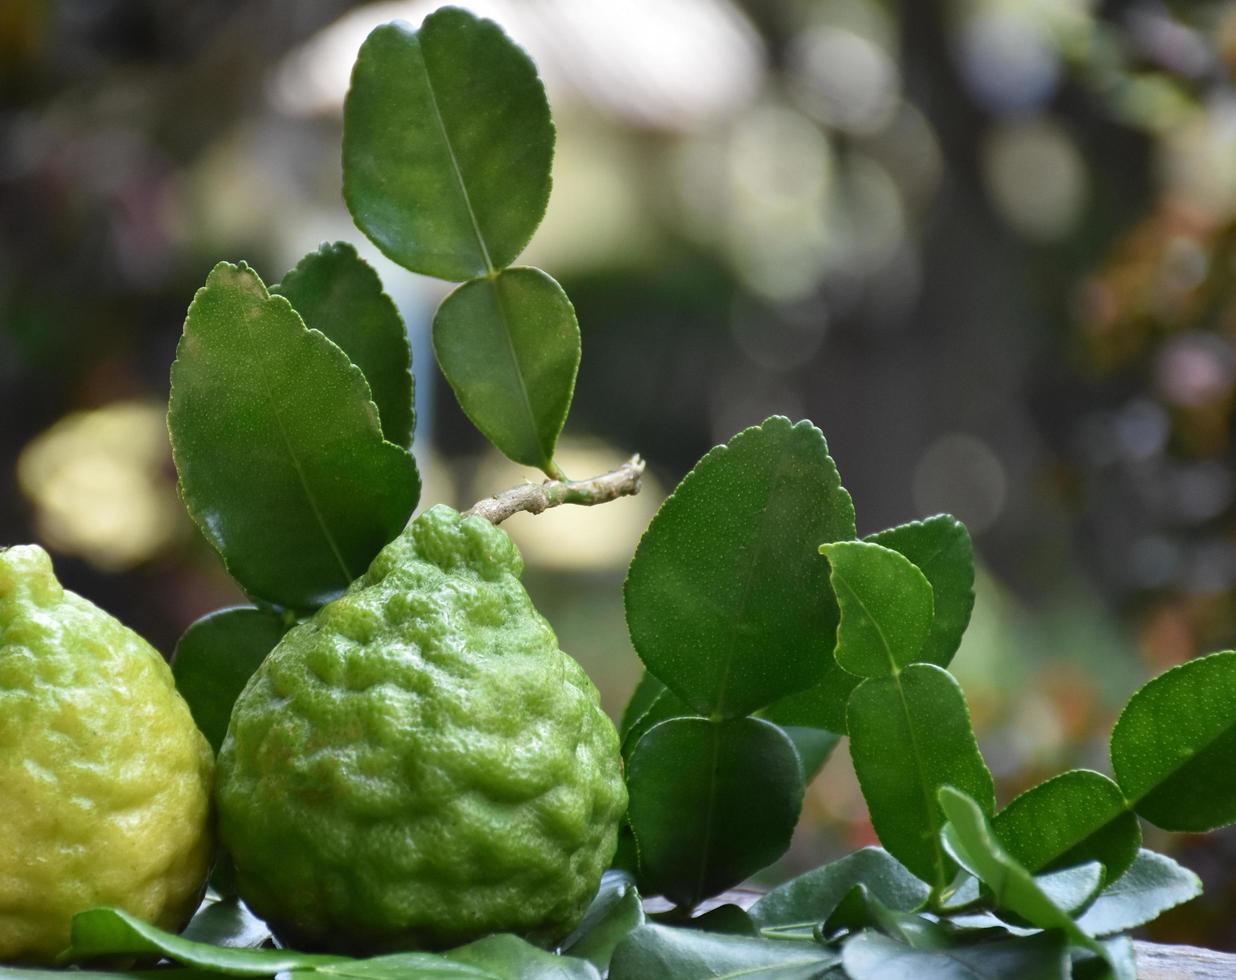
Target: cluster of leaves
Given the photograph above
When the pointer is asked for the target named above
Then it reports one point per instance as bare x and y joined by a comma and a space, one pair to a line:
291, 409
760, 653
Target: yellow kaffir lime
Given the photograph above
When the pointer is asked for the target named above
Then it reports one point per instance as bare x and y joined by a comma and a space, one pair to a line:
104, 779
419, 764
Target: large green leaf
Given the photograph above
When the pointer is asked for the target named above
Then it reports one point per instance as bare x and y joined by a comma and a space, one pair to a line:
972, 843
886, 607
1173, 746
909, 735
812, 897
711, 804
689, 954
1073, 818
940, 547
872, 956
335, 291
447, 145
112, 932
1153, 884
508, 345
215, 658
727, 599
281, 459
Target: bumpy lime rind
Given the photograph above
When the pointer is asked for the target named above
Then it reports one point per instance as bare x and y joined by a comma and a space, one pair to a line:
105, 782
419, 764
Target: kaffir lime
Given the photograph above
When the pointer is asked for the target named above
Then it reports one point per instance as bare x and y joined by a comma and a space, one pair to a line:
104, 779
419, 764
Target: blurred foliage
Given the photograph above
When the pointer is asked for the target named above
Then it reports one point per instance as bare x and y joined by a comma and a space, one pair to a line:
988, 246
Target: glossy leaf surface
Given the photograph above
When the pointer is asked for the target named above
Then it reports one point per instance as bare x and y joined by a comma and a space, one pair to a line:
886, 607
662, 951
872, 956
711, 804
1173, 746
277, 444
1153, 884
727, 599
812, 897
909, 736
940, 548
447, 145
215, 658
1073, 818
335, 291
112, 932
509, 347
860, 909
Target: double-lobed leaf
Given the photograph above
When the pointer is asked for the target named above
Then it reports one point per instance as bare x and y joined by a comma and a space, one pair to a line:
215, 658
727, 599
1173, 746
278, 447
940, 548
1070, 819
447, 145
886, 607
910, 735
508, 345
711, 803
339, 294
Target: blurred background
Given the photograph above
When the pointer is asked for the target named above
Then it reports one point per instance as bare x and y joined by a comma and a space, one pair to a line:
988, 246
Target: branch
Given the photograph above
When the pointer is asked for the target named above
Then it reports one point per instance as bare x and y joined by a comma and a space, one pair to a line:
534, 498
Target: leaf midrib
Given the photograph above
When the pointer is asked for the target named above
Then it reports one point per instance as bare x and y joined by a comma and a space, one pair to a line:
937, 852
888, 649
705, 851
500, 302
749, 580
456, 169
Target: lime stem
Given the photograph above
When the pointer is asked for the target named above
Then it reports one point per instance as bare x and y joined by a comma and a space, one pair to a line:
536, 497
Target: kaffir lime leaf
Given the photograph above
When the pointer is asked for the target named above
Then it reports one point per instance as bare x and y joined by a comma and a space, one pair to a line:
104, 779
419, 764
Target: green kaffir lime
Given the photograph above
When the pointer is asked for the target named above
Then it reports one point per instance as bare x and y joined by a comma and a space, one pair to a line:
104, 779
419, 764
